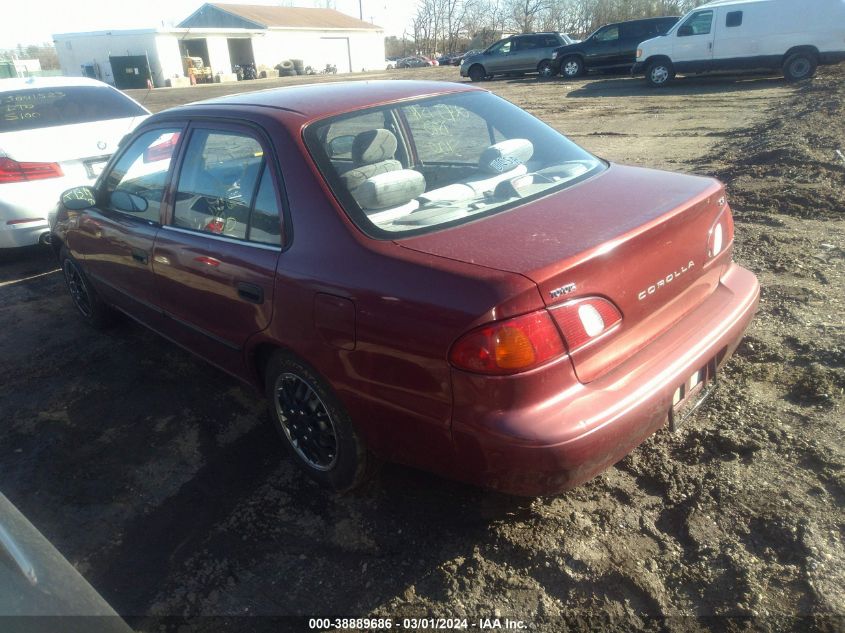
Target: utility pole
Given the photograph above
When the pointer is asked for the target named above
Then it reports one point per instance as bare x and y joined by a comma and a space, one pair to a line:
361, 10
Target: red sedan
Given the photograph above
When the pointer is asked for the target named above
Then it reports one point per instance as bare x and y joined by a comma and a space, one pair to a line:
415, 271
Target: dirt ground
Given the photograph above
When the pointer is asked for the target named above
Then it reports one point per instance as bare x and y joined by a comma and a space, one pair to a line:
160, 479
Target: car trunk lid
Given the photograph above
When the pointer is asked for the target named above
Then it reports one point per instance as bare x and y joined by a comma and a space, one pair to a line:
634, 236
63, 143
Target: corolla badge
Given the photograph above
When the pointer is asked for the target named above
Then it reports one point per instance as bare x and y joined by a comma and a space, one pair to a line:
102, 145
665, 281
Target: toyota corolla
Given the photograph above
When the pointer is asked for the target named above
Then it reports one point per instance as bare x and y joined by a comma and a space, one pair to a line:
418, 272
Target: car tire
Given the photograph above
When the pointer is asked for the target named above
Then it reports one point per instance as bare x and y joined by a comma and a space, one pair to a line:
477, 73
93, 310
572, 67
314, 426
546, 69
800, 66
659, 73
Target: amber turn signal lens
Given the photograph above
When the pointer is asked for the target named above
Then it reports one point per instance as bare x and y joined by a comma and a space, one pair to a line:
509, 347
513, 349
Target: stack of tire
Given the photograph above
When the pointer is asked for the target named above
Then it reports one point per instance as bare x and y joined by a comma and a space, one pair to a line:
290, 67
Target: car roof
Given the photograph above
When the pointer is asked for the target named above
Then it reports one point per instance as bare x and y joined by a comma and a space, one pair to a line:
25, 83
319, 100
654, 19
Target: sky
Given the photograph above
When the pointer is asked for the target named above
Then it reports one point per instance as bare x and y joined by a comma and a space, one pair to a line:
21, 25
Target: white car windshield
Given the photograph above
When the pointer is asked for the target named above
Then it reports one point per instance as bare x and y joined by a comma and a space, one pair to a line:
418, 166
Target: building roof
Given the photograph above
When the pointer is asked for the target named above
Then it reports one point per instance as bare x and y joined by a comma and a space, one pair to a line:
217, 14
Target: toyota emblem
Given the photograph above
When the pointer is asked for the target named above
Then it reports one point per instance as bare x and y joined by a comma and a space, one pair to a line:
102, 144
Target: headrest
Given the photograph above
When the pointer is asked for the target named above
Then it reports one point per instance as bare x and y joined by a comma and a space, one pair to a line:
373, 146
390, 189
506, 155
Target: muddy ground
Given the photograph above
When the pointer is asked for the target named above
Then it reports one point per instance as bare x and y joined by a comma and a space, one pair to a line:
159, 478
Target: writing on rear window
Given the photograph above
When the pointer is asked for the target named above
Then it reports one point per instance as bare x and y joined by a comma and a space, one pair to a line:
17, 106
37, 108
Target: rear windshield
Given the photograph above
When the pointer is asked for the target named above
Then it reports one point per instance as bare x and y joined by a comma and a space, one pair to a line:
418, 166
47, 107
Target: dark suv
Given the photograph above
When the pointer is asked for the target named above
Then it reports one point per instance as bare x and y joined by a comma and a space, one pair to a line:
518, 54
612, 47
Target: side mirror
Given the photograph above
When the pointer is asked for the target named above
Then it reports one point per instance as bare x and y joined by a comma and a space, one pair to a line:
124, 201
341, 145
79, 198
685, 31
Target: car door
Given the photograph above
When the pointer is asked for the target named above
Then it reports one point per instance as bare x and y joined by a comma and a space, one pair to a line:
692, 49
500, 57
526, 53
215, 256
115, 238
603, 48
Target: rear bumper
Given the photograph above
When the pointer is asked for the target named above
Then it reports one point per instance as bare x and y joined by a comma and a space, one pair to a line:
28, 234
27, 205
544, 432
638, 69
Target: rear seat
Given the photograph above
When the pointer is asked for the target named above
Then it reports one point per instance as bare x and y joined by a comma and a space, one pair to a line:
503, 161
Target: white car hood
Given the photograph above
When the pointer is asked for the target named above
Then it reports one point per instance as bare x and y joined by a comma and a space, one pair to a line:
63, 143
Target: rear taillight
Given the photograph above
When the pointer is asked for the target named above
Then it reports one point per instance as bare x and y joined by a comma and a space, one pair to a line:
13, 171
582, 321
23, 221
509, 347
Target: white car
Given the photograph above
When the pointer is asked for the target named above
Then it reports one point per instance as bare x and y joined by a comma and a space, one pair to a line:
55, 133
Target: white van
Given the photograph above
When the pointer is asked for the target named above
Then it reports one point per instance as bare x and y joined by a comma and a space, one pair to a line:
792, 35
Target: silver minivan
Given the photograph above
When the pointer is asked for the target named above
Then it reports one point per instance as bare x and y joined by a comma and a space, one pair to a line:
525, 53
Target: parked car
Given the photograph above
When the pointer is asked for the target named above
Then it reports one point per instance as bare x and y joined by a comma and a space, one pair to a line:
41, 591
414, 61
612, 47
417, 271
793, 37
519, 54
55, 132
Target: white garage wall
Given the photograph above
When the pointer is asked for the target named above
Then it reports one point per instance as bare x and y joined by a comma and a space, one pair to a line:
348, 50
76, 49
170, 59
320, 47
218, 55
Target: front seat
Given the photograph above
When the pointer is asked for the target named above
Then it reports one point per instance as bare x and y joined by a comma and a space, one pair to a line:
372, 154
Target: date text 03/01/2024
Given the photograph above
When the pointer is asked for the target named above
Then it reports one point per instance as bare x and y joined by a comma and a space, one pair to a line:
483, 624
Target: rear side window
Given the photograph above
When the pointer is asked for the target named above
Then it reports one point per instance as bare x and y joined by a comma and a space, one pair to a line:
734, 18
526, 43
47, 107
219, 191
638, 31
549, 41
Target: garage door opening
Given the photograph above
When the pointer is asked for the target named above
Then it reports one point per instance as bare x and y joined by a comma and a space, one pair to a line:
194, 55
130, 71
240, 52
